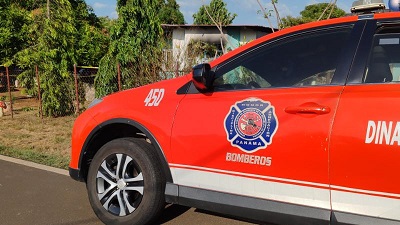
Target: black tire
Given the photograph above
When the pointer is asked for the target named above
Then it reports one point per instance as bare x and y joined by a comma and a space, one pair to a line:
134, 198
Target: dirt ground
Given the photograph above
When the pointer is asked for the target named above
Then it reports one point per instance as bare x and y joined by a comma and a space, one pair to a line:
28, 131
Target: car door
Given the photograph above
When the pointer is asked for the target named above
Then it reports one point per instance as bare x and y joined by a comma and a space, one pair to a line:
263, 130
365, 140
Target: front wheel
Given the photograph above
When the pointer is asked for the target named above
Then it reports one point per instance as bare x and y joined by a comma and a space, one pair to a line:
125, 184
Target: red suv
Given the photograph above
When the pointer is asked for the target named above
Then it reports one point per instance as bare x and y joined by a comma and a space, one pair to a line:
301, 126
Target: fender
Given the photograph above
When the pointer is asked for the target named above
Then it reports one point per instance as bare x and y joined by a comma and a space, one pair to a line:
79, 174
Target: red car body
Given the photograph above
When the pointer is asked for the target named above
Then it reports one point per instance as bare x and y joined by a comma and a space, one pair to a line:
286, 154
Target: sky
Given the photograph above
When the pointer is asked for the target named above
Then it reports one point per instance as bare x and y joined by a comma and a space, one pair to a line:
246, 10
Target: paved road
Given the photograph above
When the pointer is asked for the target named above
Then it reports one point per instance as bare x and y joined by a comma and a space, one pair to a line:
30, 196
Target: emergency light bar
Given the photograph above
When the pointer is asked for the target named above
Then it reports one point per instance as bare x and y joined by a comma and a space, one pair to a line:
365, 6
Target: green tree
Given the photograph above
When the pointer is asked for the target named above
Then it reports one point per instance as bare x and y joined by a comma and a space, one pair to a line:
92, 41
14, 28
290, 21
170, 14
135, 45
217, 9
313, 13
56, 48
25, 4
69, 35
106, 25
84, 13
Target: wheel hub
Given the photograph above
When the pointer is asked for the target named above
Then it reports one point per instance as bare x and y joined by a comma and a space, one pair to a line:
121, 184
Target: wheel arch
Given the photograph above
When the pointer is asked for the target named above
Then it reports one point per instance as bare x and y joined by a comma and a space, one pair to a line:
114, 129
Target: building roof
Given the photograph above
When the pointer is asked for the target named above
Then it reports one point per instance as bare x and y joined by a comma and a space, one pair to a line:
187, 26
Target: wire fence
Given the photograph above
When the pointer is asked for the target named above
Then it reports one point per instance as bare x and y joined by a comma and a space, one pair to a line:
16, 101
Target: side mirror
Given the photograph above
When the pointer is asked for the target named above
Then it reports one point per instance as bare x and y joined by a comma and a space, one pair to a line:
203, 77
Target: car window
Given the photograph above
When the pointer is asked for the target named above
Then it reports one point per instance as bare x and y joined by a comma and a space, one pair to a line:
384, 60
306, 59
240, 77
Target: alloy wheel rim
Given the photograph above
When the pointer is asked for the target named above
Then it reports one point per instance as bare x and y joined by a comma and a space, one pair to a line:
119, 184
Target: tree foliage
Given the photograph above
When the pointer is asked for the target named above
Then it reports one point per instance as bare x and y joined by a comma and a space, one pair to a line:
57, 51
218, 10
313, 13
170, 14
291, 21
14, 29
70, 34
25, 4
134, 45
106, 25
92, 40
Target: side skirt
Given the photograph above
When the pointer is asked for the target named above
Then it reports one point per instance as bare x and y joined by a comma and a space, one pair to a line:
246, 207
343, 218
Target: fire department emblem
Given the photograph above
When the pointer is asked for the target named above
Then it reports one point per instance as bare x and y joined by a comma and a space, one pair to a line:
251, 124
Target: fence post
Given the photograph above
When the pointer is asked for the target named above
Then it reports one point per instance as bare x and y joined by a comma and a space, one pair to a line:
9, 92
39, 92
76, 90
119, 76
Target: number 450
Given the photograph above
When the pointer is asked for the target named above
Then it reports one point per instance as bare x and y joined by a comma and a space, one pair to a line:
154, 97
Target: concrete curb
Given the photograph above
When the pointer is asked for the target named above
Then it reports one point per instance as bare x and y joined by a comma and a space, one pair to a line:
35, 165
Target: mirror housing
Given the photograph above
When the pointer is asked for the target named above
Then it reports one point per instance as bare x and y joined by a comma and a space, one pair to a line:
203, 77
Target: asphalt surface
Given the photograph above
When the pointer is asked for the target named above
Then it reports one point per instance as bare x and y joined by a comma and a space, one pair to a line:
31, 194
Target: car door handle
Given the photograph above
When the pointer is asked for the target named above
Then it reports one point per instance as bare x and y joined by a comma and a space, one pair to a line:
308, 108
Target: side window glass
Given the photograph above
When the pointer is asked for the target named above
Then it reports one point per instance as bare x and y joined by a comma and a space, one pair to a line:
384, 60
240, 77
304, 60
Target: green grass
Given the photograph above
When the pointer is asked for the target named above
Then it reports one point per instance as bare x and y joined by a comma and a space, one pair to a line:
45, 141
59, 161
